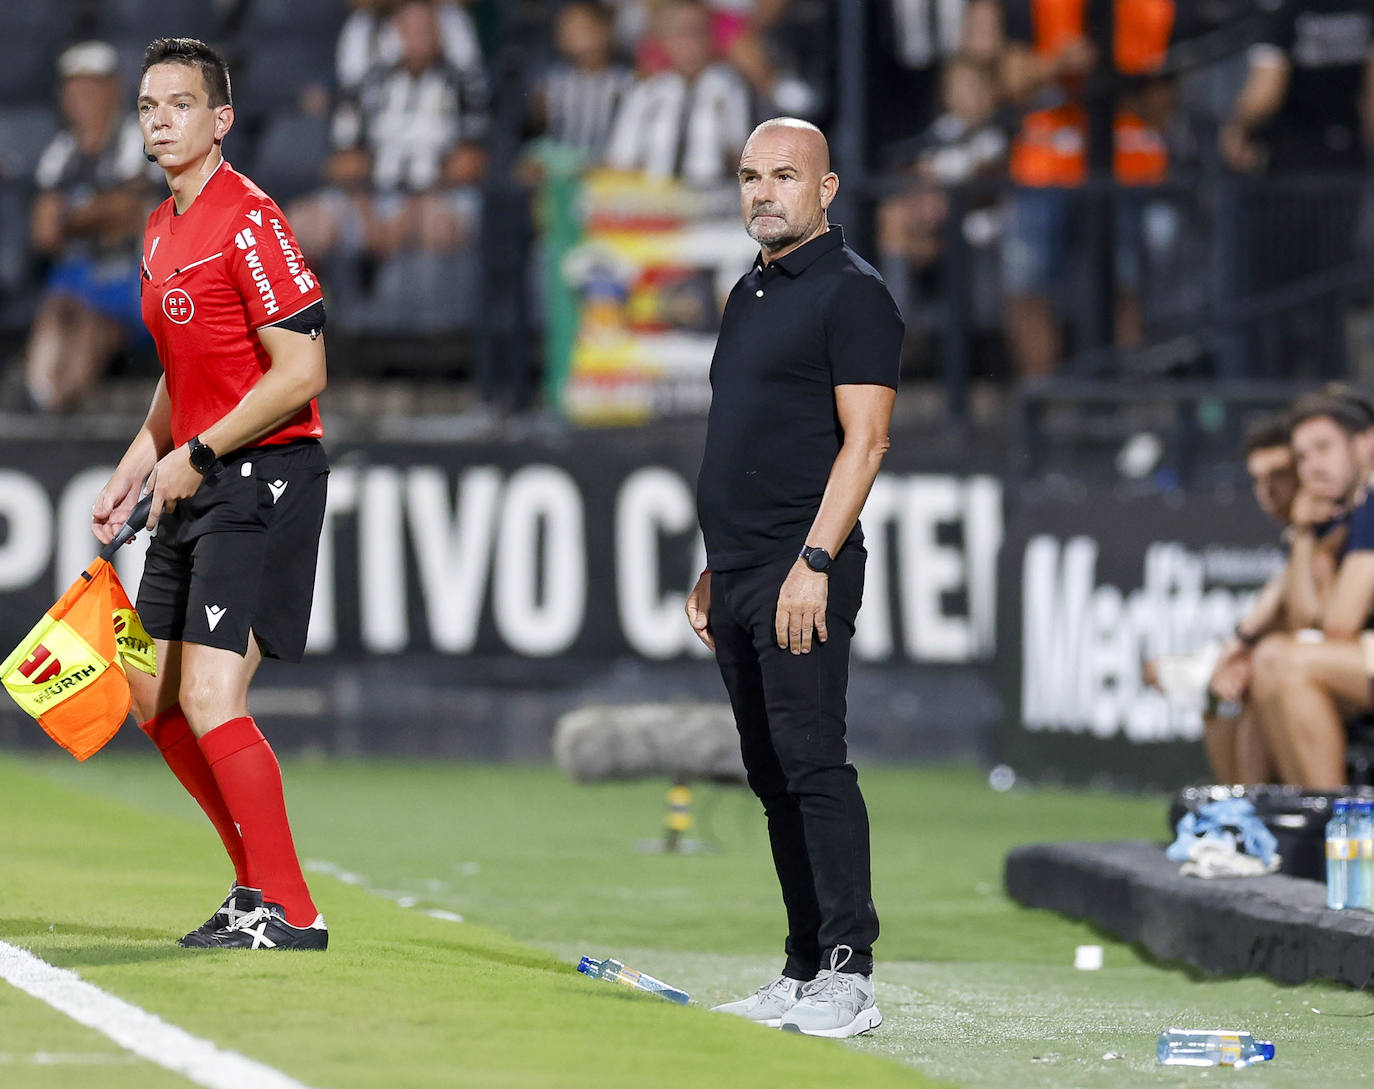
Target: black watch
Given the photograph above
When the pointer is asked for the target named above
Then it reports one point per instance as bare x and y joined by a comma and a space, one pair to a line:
202, 457
818, 559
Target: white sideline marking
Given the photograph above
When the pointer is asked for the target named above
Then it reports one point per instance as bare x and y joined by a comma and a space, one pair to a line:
135, 1029
400, 899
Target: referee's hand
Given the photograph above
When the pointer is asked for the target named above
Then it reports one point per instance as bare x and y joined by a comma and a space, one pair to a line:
173, 478
113, 506
801, 608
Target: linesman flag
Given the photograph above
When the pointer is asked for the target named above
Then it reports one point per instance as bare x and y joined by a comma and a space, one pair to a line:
68, 672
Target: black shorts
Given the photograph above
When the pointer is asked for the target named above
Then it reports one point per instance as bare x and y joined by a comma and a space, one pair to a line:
239, 555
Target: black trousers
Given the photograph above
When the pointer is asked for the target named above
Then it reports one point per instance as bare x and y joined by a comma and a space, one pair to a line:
790, 711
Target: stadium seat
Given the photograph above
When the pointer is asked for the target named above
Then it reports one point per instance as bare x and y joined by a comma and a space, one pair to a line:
148, 19
24, 133
270, 77
322, 18
291, 154
15, 285
27, 71
36, 21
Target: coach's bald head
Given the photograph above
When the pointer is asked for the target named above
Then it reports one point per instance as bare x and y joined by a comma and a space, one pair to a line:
802, 136
786, 184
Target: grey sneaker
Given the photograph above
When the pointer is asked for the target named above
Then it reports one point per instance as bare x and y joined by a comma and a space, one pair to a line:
766, 1005
835, 1003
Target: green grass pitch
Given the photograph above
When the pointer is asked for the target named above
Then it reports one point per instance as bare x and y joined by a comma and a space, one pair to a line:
103, 865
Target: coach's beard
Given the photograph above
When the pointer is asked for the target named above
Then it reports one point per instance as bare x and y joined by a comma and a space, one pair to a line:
774, 232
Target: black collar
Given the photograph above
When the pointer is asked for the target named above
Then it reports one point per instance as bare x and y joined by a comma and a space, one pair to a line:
805, 255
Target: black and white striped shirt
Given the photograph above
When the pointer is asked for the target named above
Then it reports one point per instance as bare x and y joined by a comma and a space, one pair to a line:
672, 128
410, 122
927, 31
579, 106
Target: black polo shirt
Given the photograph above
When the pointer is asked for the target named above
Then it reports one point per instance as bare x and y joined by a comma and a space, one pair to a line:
792, 331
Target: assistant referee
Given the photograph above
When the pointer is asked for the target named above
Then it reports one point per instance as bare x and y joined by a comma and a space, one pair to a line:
803, 381
231, 452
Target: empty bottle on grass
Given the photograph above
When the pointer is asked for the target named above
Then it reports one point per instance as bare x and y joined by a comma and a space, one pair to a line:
1362, 865
612, 971
1340, 852
1211, 1047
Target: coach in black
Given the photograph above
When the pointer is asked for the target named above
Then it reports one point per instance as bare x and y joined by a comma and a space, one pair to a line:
803, 381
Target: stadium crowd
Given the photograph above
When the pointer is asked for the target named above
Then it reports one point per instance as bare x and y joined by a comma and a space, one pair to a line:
406, 135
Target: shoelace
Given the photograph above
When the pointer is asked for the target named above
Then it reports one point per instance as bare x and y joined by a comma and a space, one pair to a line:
782, 983
247, 922
831, 983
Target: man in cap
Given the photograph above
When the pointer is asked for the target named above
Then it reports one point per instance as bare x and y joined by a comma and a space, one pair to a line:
93, 194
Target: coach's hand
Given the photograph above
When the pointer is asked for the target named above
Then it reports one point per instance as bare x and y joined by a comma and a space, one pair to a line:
699, 611
801, 608
173, 478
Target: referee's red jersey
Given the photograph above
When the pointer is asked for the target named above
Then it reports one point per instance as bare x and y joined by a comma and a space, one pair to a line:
210, 278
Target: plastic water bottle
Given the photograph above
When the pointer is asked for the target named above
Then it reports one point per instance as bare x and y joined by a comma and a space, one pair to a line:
1362, 865
612, 971
1340, 850
1211, 1047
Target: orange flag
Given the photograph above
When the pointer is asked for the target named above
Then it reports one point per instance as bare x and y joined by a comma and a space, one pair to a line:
69, 671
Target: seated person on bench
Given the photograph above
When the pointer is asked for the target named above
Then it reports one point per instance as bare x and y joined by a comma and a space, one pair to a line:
1234, 743
1309, 680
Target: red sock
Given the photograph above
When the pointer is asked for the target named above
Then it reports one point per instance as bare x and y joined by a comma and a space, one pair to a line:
171, 733
249, 777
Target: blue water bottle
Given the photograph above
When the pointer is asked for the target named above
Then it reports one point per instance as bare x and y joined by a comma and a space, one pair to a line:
1362, 866
1340, 850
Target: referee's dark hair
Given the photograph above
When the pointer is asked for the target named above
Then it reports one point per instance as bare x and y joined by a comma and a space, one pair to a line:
1342, 413
1266, 432
193, 53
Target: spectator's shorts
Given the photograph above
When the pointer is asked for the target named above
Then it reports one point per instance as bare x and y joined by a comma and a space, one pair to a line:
1044, 240
239, 555
108, 287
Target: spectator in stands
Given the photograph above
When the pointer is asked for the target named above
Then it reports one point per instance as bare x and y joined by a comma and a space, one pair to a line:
963, 143
1050, 53
1305, 684
402, 202
778, 51
573, 103
369, 40
1308, 99
691, 121
1306, 107
908, 43
87, 219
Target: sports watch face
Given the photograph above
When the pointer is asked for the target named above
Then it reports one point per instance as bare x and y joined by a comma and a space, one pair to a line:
202, 457
818, 559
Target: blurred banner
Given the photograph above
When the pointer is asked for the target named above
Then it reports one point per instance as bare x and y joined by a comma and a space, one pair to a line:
582, 548
637, 293
560, 566
1098, 583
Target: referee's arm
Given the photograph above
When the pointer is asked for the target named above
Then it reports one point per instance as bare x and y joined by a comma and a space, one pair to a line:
154, 439
295, 377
